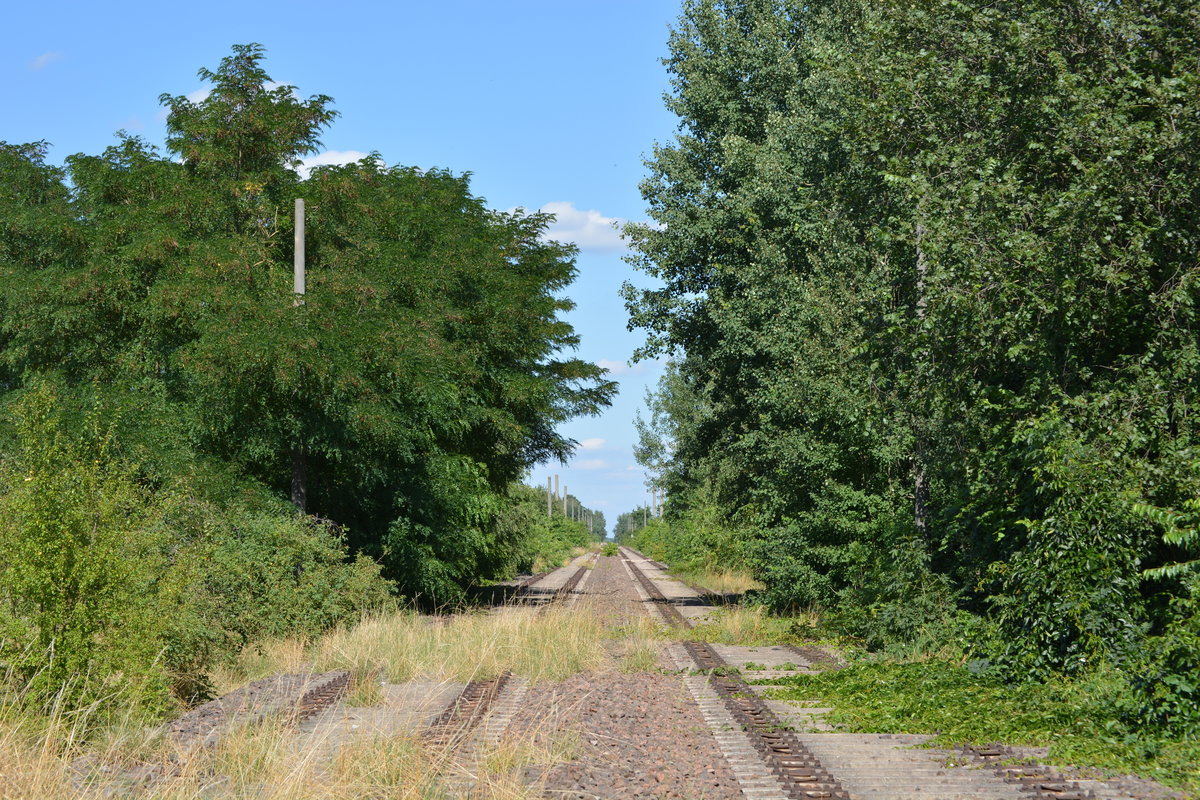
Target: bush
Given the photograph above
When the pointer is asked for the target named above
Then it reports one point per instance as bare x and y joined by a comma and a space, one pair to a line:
253, 575
84, 547
120, 587
1164, 683
693, 540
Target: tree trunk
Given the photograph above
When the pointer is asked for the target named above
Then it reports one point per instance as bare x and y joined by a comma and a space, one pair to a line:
920, 480
300, 479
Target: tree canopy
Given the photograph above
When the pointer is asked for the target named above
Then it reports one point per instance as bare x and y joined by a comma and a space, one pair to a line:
420, 377
929, 271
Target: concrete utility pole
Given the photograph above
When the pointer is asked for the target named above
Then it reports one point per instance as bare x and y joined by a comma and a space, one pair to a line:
564, 500
299, 460
549, 499
556, 486
298, 257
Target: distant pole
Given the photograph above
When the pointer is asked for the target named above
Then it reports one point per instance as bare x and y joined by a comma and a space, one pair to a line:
564, 499
549, 499
556, 486
299, 459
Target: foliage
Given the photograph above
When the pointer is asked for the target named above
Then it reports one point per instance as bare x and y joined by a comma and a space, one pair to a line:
80, 593
1164, 688
546, 541
251, 575
419, 378
1183, 532
629, 522
692, 541
959, 704
123, 585
926, 273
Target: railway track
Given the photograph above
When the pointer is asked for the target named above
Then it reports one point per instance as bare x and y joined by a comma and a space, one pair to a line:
866, 766
654, 733
800, 774
530, 593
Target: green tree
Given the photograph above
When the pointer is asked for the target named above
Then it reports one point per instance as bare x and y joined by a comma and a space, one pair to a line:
420, 377
927, 268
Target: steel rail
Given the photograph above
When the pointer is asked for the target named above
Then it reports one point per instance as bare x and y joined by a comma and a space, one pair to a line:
797, 769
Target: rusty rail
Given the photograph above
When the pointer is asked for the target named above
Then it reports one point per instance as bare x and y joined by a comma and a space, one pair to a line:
798, 770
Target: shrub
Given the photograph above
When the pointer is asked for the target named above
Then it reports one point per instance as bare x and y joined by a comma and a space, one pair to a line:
119, 585
1164, 683
83, 545
254, 575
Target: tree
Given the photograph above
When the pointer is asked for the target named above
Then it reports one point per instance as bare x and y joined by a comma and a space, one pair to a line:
419, 378
927, 267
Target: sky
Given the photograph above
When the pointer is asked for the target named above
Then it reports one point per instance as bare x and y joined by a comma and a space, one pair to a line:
549, 105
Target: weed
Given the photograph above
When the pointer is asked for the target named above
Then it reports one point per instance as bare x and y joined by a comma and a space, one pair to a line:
751, 626
1075, 718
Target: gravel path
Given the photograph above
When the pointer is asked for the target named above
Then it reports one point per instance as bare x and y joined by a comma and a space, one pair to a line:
637, 735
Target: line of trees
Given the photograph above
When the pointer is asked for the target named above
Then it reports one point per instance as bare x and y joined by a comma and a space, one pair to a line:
568, 506
631, 522
929, 279
147, 321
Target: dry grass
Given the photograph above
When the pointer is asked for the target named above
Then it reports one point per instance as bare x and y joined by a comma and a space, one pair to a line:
38, 753
267, 761
638, 644
550, 644
751, 626
723, 582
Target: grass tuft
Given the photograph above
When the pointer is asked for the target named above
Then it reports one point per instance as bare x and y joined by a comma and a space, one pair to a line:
751, 626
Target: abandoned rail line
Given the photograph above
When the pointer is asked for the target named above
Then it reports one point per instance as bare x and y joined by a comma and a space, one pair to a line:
685, 724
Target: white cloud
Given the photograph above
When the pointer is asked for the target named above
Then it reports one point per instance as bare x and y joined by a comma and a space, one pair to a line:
632, 468
45, 60
592, 444
613, 367
330, 158
625, 368
590, 230
591, 463
199, 95
273, 85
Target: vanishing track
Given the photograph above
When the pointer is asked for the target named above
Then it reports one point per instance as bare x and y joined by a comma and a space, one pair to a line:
799, 772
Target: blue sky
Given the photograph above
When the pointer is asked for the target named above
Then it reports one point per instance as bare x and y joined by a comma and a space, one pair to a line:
548, 104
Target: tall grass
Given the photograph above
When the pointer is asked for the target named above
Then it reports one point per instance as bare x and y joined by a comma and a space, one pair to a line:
549, 644
267, 761
41, 748
752, 626
722, 581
